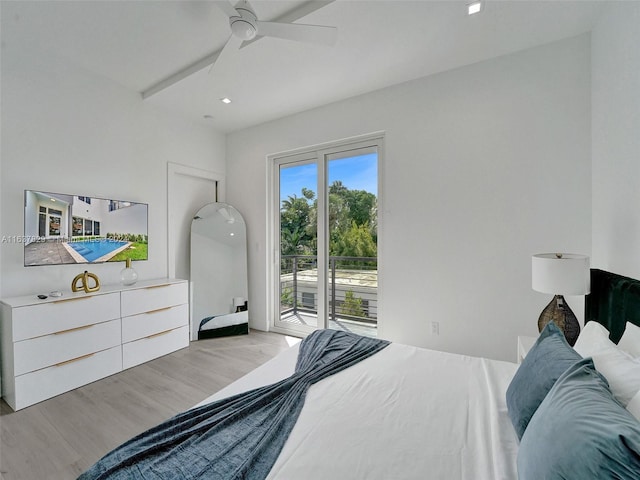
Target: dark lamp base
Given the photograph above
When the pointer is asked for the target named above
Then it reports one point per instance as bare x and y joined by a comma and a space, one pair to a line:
559, 312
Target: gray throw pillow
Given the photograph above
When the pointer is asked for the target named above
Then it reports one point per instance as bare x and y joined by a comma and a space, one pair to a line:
549, 357
580, 431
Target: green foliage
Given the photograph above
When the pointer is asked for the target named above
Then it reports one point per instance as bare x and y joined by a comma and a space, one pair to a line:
339, 213
352, 222
355, 242
135, 251
128, 237
286, 298
291, 241
352, 305
361, 206
308, 194
295, 215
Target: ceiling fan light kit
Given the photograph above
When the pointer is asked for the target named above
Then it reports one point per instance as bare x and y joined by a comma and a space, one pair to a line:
243, 25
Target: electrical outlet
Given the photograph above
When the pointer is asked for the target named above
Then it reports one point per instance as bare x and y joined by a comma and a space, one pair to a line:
435, 328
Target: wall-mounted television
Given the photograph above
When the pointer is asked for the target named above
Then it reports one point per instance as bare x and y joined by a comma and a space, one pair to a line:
71, 229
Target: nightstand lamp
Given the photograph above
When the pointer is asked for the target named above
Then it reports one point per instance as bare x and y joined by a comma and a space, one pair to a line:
560, 274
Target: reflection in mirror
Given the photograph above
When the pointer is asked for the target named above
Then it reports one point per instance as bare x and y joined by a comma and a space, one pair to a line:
219, 272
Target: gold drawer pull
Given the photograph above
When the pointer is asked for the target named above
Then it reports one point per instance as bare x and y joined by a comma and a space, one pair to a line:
74, 359
157, 334
84, 327
157, 286
158, 310
70, 299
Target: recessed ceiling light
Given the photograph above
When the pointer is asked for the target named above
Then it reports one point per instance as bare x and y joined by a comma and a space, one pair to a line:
474, 7
225, 100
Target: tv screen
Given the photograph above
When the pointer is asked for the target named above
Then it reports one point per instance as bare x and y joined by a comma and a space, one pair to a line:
69, 229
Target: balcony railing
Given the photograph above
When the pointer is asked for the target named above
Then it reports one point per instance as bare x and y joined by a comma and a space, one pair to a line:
352, 287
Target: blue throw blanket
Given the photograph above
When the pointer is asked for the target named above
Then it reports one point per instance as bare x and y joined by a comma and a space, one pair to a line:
239, 437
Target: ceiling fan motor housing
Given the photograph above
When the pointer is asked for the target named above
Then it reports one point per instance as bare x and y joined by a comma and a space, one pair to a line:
244, 26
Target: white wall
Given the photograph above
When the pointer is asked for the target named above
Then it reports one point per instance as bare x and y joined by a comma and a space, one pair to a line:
484, 166
132, 219
67, 130
616, 139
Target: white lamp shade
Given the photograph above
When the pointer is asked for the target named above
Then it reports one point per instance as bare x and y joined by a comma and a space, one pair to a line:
565, 275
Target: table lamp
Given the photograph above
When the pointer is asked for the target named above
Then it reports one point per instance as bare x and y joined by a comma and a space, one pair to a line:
560, 274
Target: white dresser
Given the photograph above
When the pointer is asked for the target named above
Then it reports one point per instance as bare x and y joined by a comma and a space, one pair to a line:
54, 345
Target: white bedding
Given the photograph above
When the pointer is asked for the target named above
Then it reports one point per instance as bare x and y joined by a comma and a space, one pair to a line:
404, 413
226, 320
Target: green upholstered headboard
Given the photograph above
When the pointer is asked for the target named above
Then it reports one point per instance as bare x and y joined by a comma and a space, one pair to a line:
613, 301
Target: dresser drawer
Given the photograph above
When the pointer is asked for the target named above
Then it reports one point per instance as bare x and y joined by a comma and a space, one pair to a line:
153, 298
64, 314
154, 321
148, 348
41, 352
42, 384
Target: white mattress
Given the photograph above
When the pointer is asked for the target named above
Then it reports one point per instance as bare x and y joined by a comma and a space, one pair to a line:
404, 413
227, 320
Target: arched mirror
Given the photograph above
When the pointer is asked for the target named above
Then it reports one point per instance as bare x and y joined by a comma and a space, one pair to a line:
218, 272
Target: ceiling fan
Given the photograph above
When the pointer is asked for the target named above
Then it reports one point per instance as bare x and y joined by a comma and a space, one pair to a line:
246, 29
245, 26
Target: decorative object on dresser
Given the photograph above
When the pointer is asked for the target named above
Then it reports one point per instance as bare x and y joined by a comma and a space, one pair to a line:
128, 275
560, 274
53, 345
83, 280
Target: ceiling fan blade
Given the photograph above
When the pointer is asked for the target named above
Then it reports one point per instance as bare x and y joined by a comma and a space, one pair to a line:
232, 44
227, 7
293, 15
298, 32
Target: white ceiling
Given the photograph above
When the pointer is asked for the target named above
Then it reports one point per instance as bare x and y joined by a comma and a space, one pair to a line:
380, 43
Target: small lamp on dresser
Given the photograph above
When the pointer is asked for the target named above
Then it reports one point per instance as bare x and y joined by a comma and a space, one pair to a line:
560, 274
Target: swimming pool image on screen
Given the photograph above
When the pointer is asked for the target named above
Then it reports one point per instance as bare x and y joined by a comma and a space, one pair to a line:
103, 249
66, 229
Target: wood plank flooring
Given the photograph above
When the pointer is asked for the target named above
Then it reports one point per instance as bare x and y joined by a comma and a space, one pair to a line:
60, 438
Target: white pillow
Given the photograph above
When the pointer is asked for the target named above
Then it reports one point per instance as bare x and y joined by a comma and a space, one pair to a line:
630, 341
634, 406
621, 370
593, 336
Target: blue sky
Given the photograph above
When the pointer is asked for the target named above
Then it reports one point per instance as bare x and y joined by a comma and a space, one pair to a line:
355, 173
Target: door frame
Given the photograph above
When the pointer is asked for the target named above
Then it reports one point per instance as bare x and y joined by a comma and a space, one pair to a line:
272, 256
173, 171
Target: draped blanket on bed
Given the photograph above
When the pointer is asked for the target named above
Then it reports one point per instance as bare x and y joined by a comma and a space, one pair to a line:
239, 437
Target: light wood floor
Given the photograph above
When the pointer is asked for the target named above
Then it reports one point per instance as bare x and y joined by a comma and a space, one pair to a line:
62, 437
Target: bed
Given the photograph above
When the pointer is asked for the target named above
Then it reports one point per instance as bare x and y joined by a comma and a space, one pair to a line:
403, 412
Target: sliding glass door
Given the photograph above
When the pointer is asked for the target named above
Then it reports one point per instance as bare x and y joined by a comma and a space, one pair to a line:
352, 266
299, 291
325, 239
